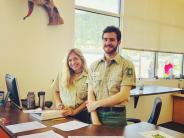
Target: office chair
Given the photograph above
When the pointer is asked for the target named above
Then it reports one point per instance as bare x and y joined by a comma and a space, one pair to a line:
154, 115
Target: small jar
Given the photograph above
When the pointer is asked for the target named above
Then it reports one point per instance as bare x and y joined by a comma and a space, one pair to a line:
30, 100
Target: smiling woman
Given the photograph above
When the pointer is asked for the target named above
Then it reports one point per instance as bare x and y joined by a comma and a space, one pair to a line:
70, 87
75, 63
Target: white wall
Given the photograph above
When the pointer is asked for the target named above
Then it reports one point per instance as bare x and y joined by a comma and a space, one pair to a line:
30, 49
162, 82
176, 83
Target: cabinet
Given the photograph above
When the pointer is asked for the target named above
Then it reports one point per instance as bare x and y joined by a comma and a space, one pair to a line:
178, 108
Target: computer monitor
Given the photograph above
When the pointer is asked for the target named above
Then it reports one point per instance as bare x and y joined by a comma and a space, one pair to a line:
12, 91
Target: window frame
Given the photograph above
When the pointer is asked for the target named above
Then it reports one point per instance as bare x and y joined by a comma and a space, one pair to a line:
156, 61
181, 71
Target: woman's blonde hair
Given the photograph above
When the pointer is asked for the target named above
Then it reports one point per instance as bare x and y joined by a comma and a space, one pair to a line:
67, 72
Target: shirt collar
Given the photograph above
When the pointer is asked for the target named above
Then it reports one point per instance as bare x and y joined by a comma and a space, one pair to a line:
116, 59
83, 74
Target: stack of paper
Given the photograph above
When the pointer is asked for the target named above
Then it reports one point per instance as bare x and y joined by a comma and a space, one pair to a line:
38, 110
47, 134
25, 126
48, 114
71, 125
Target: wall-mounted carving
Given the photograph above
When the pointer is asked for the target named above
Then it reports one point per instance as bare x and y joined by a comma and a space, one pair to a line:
48, 5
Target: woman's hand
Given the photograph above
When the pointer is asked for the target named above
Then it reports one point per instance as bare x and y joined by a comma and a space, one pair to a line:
91, 105
68, 112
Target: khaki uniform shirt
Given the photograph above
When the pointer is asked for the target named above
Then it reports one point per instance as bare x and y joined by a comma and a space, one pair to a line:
107, 79
74, 96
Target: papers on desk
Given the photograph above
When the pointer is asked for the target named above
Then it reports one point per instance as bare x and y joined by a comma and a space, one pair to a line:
38, 110
48, 114
47, 134
25, 126
71, 125
155, 134
44, 114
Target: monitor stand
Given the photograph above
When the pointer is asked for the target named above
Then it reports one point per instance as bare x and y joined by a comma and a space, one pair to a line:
12, 105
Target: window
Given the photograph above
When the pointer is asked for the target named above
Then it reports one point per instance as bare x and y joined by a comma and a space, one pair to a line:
91, 17
88, 31
103, 5
169, 65
144, 62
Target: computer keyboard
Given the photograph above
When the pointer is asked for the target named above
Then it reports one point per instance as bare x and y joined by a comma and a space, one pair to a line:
47, 114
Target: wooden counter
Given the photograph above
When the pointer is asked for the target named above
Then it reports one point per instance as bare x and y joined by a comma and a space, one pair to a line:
151, 90
132, 131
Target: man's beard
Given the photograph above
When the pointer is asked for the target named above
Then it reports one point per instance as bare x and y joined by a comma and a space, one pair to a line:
114, 49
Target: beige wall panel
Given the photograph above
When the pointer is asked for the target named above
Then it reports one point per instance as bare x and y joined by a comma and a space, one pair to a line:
140, 34
172, 39
172, 12
158, 22
145, 9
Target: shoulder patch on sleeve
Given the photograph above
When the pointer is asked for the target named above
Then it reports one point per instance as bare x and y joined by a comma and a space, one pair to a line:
129, 71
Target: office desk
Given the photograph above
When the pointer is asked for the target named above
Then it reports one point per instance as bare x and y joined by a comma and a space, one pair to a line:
131, 131
151, 90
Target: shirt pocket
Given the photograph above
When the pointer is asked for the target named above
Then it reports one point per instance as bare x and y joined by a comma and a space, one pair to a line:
82, 92
114, 85
97, 84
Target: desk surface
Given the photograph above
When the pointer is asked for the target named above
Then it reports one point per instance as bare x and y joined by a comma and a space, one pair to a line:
178, 95
132, 131
150, 90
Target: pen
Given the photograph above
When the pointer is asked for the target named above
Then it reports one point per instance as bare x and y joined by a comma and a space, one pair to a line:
57, 119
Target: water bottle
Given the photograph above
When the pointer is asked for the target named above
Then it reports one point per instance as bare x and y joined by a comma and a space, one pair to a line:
30, 100
41, 102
